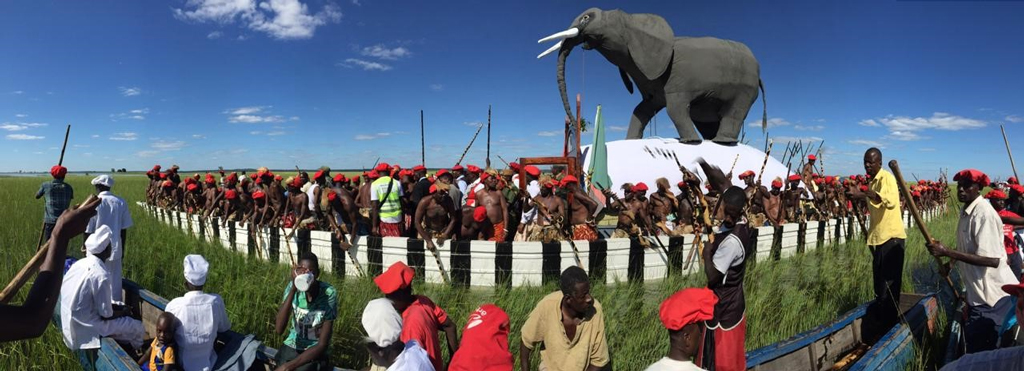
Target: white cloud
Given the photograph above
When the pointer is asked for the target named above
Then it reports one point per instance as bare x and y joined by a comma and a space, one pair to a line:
1015, 119
365, 65
280, 19
125, 136
548, 133
772, 123
472, 123
167, 146
617, 128
382, 52
356, 3
275, 133
808, 127
135, 114
926, 149
905, 128
146, 153
141, 111
95, 136
364, 137
871, 123
255, 132
253, 119
19, 126
18, 92
376, 136
20, 115
214, 35
130, 92
198, 136
866, 143
246, 110
436, 87
904, 136
23, 137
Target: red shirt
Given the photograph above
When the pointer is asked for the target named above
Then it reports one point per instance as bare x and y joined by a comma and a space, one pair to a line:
1008, 242
421, 321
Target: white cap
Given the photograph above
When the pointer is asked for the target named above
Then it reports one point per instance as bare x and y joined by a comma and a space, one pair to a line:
196, 268
98, 240
382, 322
104, 180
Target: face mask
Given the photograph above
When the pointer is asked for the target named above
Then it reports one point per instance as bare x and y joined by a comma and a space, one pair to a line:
303, 281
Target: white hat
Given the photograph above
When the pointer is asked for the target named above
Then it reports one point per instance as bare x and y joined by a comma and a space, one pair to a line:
104, 180
98, 240
195, 269
382, 322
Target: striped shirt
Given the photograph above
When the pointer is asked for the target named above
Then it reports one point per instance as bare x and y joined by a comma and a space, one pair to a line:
58, 198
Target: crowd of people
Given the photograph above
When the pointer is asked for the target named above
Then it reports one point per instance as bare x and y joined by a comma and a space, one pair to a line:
706, 327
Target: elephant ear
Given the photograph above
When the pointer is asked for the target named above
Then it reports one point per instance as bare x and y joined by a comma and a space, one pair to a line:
650, 41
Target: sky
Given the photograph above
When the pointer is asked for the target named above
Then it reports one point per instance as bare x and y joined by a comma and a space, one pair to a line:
280, 83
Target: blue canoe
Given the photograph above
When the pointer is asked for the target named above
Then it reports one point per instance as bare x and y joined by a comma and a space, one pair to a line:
825, 346
112, 357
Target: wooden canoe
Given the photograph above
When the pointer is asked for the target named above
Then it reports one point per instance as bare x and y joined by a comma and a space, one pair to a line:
822, 347
112, 357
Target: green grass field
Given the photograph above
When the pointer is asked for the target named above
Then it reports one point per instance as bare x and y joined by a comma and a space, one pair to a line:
783, 298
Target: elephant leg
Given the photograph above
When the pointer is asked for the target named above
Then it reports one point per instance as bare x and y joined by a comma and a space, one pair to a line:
679, 111
642, 115
733, 112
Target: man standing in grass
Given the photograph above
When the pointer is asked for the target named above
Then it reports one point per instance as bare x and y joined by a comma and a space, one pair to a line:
683, 314
113, 212
58, 197
1010, 220
198, 317
570, 325
886, 240
311, 306
725, 266
982, 263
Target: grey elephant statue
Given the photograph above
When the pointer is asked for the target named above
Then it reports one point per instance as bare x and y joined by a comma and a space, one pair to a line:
707, 84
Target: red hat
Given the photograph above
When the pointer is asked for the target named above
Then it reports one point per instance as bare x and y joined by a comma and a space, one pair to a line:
532, 170
639, 187
681, 184
318, 174
812, 157
232, 178
373, 174
230, 194
397, 277
331, 196
404, 172
190, 181
776, 184
156, 167
441, 172
829, 179
973, 176
163, 176
746, 174
569, 179
479, 214
278, 178
340, 178
687, 306
514, 166
382, 167
1012, 180
550, 183
1014, 289
863, 188
818, 180
297, 182
432, 189
419, 168
484, 344
210, 179
58, 171
794, 178
1017, 188
922, 181
192, 187
258, 195
167, 184
996, 194
457, 167
473, 169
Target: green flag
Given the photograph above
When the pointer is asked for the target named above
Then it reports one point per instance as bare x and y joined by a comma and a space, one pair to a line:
598, 171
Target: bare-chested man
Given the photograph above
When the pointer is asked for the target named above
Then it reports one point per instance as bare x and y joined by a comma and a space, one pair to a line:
551, 212
664, 208
363, 193
631, 214
581, 210
193, 199
297, 213
475, 224
755, 196
210, 195
774, 211
791, 198
435, 216
275, 199
232, 209
170, 197
492, 199
258, 210
343, 215
807, 173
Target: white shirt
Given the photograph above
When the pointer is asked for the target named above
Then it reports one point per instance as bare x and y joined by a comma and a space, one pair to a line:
84, 299
533, 188
412, 358
200, 316
311, 196
474, 188
461, 183
668, 364
980, 232
112, 212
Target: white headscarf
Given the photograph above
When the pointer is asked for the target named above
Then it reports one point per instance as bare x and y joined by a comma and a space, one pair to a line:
98, 240
382, 322
196, 268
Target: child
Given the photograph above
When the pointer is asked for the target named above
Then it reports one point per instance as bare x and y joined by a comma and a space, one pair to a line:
161, 356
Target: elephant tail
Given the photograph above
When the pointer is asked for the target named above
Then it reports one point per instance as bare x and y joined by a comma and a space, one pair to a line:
764, 112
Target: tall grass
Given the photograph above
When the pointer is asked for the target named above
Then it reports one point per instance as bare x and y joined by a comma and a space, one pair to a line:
783, 298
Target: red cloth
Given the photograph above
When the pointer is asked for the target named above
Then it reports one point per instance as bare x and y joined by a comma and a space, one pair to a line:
421, 321
583, 232
730, 354
58, 171
389, 229
640, 187
397, 277
972, 175
1008, 242
687, 306
499, 232
996, 194
532, 170
745, 174
484, 344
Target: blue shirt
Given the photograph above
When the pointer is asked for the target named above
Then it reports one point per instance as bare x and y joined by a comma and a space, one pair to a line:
58, 197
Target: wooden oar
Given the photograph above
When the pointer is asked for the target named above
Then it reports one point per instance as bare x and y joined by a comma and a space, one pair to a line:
895, 166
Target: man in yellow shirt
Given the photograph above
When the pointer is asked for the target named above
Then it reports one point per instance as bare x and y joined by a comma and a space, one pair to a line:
886, 240
570, 324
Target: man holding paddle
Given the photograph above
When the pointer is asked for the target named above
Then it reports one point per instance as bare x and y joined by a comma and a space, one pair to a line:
58, 197
886, 240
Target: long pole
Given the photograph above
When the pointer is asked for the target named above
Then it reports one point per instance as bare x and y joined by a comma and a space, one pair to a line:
423, 147
60, 162
1014, 167
488, 160
470, 145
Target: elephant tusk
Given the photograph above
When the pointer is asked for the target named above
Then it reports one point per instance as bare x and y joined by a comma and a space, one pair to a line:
550, 50
572, 32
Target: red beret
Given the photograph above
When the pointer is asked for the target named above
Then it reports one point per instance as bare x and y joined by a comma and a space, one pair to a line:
863, 188
479, 214
441, 172
230, 194
1017, 188
457, 167
915, 194
818, 180
318, 174
210, 178
569, 179
812, 157
419, 168
156, 167
278, 178
550, 183
232, 178
433, 189
473, 168
258, 195
373, 175
168, 184
190, 181
681, 184
687, 306
776, 184
829, 179
340, 178
397, 277
513, 165
972, 175
922, 181
163, 176
58, 171
331, 196
639, 187
1012, 180
996, 194
297, 182
794, 178
746, 174
382, 167
191, 187
532, 170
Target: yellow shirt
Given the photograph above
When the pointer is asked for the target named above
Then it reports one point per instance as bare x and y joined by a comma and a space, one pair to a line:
544, 325
160, 356
886, 217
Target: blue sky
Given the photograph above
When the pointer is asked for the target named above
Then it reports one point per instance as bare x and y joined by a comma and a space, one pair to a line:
245, 83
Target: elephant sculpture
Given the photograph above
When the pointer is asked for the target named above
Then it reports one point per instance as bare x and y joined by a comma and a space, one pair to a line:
706, 83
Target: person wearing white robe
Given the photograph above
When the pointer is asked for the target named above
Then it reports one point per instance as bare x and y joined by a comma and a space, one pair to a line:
86, 309
112, 212
200, 316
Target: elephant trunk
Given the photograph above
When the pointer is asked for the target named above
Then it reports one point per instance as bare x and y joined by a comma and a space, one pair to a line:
563, 53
